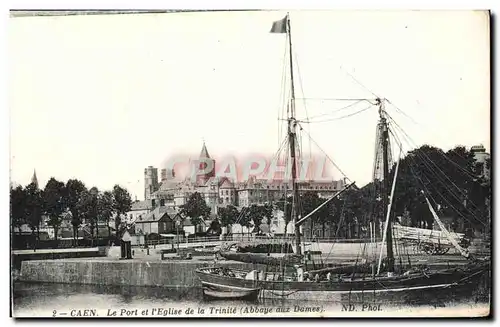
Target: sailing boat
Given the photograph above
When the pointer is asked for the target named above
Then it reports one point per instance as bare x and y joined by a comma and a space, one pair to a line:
291, 281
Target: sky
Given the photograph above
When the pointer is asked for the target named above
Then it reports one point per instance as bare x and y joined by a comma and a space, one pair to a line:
99, 98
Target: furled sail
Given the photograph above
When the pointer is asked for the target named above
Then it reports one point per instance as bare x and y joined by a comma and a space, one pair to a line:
286, 260
345, 269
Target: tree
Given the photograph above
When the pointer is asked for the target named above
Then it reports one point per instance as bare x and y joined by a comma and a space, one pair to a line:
228, 215
449, 181
122, 202
260, 212
54, 206
254, 213
34, 209
285, 205
74, 193
328, 214
267, 212
215, 227
17, 206
94, 213
245, 217
105, 208
196, 208
309, 201
86, 210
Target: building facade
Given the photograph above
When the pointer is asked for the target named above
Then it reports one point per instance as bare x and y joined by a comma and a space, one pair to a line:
219, 191
483, 160
161, 220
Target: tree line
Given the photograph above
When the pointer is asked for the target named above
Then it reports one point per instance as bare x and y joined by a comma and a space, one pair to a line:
90, 205
453, 181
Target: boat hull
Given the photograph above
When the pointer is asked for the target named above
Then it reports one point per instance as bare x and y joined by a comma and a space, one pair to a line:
334, 289
212, 291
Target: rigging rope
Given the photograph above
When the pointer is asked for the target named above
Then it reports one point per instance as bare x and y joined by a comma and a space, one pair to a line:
337, 110
282, 94
338, 227
337, 99
412, 164
446, 157
444, 198
339, 118
426, 160
303, 94
358, 82
328, 157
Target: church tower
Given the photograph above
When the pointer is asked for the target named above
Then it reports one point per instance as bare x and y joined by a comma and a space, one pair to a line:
205, 160
150, 182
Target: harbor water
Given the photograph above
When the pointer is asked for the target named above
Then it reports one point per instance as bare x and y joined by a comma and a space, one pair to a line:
71, 300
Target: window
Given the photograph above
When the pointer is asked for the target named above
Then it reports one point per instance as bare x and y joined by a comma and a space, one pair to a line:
227, 192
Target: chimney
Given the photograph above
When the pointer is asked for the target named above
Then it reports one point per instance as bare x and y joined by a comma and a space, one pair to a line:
163, 175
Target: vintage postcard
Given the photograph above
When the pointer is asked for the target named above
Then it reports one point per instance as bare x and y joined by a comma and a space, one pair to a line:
184, 163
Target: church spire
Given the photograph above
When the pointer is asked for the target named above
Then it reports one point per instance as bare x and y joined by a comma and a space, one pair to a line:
34, 180
204, 151
204, 163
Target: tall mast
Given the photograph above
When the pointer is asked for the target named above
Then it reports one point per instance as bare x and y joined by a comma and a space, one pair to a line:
292, 124
385, 192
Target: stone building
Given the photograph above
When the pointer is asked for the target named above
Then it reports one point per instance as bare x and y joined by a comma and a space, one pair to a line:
218, 191
150, 182
483, 163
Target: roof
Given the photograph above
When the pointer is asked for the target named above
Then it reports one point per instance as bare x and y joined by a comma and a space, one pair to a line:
167, 185
226, 183
279, 184
141, 205
204, 152
158, 214
187, 222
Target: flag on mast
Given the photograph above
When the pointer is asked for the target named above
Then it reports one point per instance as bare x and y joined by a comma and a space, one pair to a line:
280, 26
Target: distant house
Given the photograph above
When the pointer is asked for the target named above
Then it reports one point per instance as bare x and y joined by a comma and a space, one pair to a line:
66, 218
25, 230
139, 210
202, 227
188, 227
160, 221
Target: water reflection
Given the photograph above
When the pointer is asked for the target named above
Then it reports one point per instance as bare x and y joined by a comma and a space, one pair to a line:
32, 296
